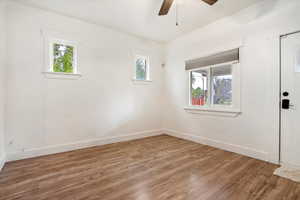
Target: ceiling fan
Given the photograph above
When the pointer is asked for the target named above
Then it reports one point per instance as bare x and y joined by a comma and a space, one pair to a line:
168, 3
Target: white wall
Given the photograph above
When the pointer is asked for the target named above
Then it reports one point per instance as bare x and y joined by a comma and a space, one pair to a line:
255, 132
43, 114
2, 78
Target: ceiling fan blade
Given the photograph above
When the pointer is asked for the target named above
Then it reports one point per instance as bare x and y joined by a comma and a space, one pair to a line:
210, 2
165, 7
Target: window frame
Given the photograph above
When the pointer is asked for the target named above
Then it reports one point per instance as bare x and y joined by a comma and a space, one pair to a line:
147, 58
234, 108
48, 58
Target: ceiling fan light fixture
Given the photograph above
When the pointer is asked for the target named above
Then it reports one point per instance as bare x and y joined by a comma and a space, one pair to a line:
166, 5
210, 2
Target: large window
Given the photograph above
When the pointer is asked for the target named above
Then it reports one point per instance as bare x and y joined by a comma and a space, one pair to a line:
214, 86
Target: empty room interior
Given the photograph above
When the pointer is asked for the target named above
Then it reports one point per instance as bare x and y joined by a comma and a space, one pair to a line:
149, 100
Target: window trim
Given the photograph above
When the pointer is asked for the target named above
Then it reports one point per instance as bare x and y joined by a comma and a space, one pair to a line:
234, 108
49, 73
148, 74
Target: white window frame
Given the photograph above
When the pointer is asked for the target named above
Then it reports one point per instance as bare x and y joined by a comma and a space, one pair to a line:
49, 43
234, 108
148, 75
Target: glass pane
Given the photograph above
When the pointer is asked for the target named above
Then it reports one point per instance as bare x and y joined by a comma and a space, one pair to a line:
141, 68
297, 67
222, 85
199, 83
63, 58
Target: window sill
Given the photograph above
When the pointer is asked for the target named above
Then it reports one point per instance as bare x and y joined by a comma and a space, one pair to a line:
142, 82
213, 111
61, 75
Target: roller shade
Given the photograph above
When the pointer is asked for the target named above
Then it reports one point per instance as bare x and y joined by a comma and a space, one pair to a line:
224, 57
222, 70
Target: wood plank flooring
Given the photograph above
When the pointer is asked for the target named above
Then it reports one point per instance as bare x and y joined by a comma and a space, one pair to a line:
155, 168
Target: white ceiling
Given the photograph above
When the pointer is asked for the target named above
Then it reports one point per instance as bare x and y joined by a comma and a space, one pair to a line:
140, 17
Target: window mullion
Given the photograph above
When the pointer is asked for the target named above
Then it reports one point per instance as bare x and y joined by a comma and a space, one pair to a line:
209, 88
190, 86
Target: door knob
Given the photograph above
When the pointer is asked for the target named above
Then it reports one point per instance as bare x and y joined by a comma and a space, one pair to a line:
285, 94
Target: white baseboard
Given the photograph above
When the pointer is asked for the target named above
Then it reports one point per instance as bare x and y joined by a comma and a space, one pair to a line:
2, 162
221, 145
30, 153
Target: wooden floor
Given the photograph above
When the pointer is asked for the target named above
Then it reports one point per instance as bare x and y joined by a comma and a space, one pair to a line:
155, 168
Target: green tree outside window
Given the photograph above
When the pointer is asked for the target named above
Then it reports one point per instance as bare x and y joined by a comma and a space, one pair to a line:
63, 58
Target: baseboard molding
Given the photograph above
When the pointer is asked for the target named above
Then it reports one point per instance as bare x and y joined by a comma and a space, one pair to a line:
2, 162
221, 145
30, 153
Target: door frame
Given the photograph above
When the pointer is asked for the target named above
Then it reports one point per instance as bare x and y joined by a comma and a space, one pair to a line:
282, 36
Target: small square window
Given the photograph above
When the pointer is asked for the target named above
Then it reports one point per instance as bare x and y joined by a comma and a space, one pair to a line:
63, 57
141, 68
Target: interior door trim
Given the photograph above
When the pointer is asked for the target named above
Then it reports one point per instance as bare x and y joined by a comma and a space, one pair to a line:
282, 36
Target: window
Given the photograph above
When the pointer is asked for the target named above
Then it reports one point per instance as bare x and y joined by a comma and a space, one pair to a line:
297, 61
214, 83
199, 90
215, 87
141, 68
63, 57
221, 85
